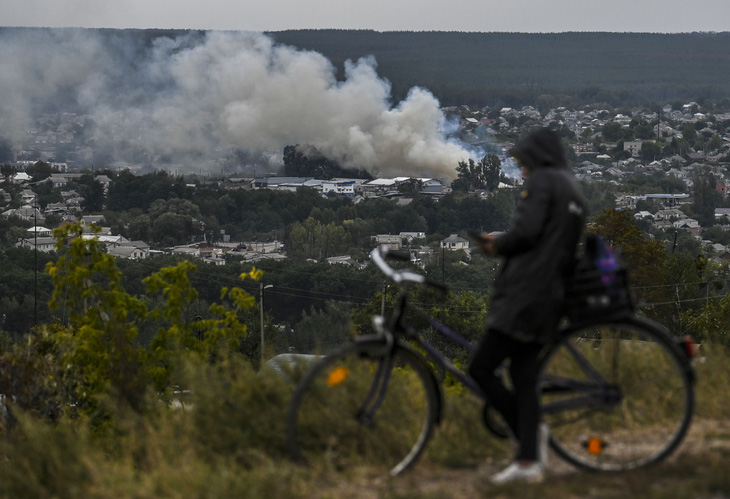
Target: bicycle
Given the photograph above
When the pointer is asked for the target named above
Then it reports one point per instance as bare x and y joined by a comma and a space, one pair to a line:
617, 393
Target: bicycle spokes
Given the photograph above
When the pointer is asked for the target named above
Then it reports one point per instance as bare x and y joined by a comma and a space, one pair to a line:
616, 396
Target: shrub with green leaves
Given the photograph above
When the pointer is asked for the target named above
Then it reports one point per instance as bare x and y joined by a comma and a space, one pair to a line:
94, 362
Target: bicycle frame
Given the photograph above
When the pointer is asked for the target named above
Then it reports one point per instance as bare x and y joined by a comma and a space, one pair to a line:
593, 394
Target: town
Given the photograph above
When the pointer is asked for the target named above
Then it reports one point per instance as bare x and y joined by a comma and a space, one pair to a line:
664, 152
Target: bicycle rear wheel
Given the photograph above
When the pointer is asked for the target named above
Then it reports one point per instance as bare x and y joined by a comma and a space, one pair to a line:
616, 396
364, 407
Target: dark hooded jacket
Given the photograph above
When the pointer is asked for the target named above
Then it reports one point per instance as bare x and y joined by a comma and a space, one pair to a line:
539, 250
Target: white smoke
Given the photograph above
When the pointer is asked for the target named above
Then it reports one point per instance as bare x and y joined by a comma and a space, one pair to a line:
192, 98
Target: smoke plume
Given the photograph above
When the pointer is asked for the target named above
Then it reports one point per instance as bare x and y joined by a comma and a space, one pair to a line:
191, 98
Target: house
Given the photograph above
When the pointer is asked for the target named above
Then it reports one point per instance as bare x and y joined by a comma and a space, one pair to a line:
718, 248
20, 178
92, 219
128, 252
689, 224
26, 213
695, 157
584, 148
410, 236
670, 214
455, 242
44, 244
39, 230
187, 250
61, 179
132, 250
344, 259
28, 197
104, 181
243, 183
641, 215
214, 260
106, 238
634, 147
392, 242
276, 182
722, 213
345, 187
293, 186
379, 186
616, 172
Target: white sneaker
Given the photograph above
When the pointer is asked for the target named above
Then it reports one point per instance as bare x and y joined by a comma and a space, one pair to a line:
543, 442
516, 472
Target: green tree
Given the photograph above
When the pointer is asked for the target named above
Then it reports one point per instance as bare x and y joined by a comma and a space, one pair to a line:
139, 228
715, 143
6, 169
650, 151
411, 187
645, 259
321, 330
705, 197
312, 239
170, 229
174, 205
612, 131
102, 316
99, 355
40, 170
93, 193
689, 133
471, 175
644, 131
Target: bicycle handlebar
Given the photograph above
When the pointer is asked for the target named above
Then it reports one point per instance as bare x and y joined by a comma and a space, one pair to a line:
378, 255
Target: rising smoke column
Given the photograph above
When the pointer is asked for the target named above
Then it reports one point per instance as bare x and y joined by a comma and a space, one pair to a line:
193, 97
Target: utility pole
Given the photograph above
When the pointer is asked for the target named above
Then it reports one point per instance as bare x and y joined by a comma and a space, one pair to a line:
261, 303
35, 261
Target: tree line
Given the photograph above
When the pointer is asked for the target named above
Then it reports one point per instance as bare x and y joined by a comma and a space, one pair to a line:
546, 70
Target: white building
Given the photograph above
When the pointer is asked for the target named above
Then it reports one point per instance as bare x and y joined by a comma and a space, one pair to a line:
455, 242
345, 187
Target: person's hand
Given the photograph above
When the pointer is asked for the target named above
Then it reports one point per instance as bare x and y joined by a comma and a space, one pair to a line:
486, 244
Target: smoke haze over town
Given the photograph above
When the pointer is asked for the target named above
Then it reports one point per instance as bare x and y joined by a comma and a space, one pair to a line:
189, 101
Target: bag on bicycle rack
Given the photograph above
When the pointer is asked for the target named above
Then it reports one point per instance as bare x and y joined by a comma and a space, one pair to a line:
599, 284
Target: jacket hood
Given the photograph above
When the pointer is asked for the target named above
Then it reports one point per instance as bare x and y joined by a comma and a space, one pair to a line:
540, 148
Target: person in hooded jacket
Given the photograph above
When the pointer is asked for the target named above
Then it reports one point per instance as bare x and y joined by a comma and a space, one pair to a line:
538, 254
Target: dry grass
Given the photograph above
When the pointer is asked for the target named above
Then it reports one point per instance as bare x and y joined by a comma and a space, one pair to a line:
229, 442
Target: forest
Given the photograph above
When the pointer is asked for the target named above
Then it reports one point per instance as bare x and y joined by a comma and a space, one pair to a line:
545, 70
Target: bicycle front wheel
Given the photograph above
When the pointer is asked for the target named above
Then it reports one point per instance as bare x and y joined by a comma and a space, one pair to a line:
364, 406
616, 396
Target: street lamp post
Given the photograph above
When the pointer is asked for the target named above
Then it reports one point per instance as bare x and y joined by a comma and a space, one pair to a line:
261, 303
35, 263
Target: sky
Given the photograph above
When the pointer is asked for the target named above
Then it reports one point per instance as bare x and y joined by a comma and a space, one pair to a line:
651, 16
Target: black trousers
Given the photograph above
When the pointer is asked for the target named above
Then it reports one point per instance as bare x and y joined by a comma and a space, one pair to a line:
519, 406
